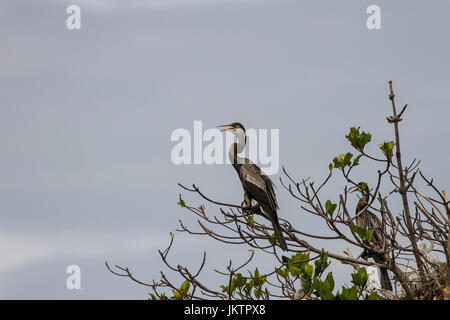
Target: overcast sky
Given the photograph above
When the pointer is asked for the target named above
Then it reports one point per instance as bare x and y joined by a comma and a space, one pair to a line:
86, 118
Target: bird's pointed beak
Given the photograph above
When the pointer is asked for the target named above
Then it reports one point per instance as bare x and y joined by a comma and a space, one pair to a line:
354, 189
228, 127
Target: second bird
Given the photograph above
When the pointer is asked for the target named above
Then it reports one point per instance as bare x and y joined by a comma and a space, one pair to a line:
256, 184
367, 220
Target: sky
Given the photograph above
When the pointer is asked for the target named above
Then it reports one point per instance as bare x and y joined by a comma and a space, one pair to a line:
86, 117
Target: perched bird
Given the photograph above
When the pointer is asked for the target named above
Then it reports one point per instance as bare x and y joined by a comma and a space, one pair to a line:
256, 184
368, 220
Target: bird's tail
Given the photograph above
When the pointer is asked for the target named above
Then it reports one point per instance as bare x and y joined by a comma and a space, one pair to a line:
384, 276
384, 280
273, 217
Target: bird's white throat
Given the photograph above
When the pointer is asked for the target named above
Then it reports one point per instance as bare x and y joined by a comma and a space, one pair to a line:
238, 147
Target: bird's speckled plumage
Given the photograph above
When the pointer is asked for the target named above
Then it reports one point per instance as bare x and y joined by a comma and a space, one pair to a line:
368, 220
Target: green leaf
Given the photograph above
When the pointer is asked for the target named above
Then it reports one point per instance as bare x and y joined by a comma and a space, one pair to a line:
326, 287
309, 269
369, 235
387, 148
353, 293
248, 287
347, 158
330, 207
258, 278
283, 272
181, 202
247, 202
232, 286
321, 264
364, 234
360, 277
356, 161
300, 258
358, 230
329, 280
326, 294
272, 239
372, 296
327, 206
293, 269
285, 259
250, 220
240, 280
342, 160
177, 295
257, 293
338, 161
224, 288
349, 293
358, 139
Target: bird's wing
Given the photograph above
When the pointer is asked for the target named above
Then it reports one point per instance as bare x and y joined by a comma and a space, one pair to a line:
378, 236
270, 191
250, 172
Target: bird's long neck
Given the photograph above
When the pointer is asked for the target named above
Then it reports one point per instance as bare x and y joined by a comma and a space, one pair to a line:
366, 196
237, 148
363, 201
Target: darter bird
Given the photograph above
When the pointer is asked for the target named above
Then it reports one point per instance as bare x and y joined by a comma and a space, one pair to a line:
255, 183
368, 220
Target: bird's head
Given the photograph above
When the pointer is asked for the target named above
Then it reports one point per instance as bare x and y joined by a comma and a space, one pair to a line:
364, 189
239, 131
361, 187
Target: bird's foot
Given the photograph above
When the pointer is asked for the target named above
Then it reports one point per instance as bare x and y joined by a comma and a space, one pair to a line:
252, 209
256, 209
247, 209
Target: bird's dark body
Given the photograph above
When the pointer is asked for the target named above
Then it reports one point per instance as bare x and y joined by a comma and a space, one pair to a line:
259, 187
256, 184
